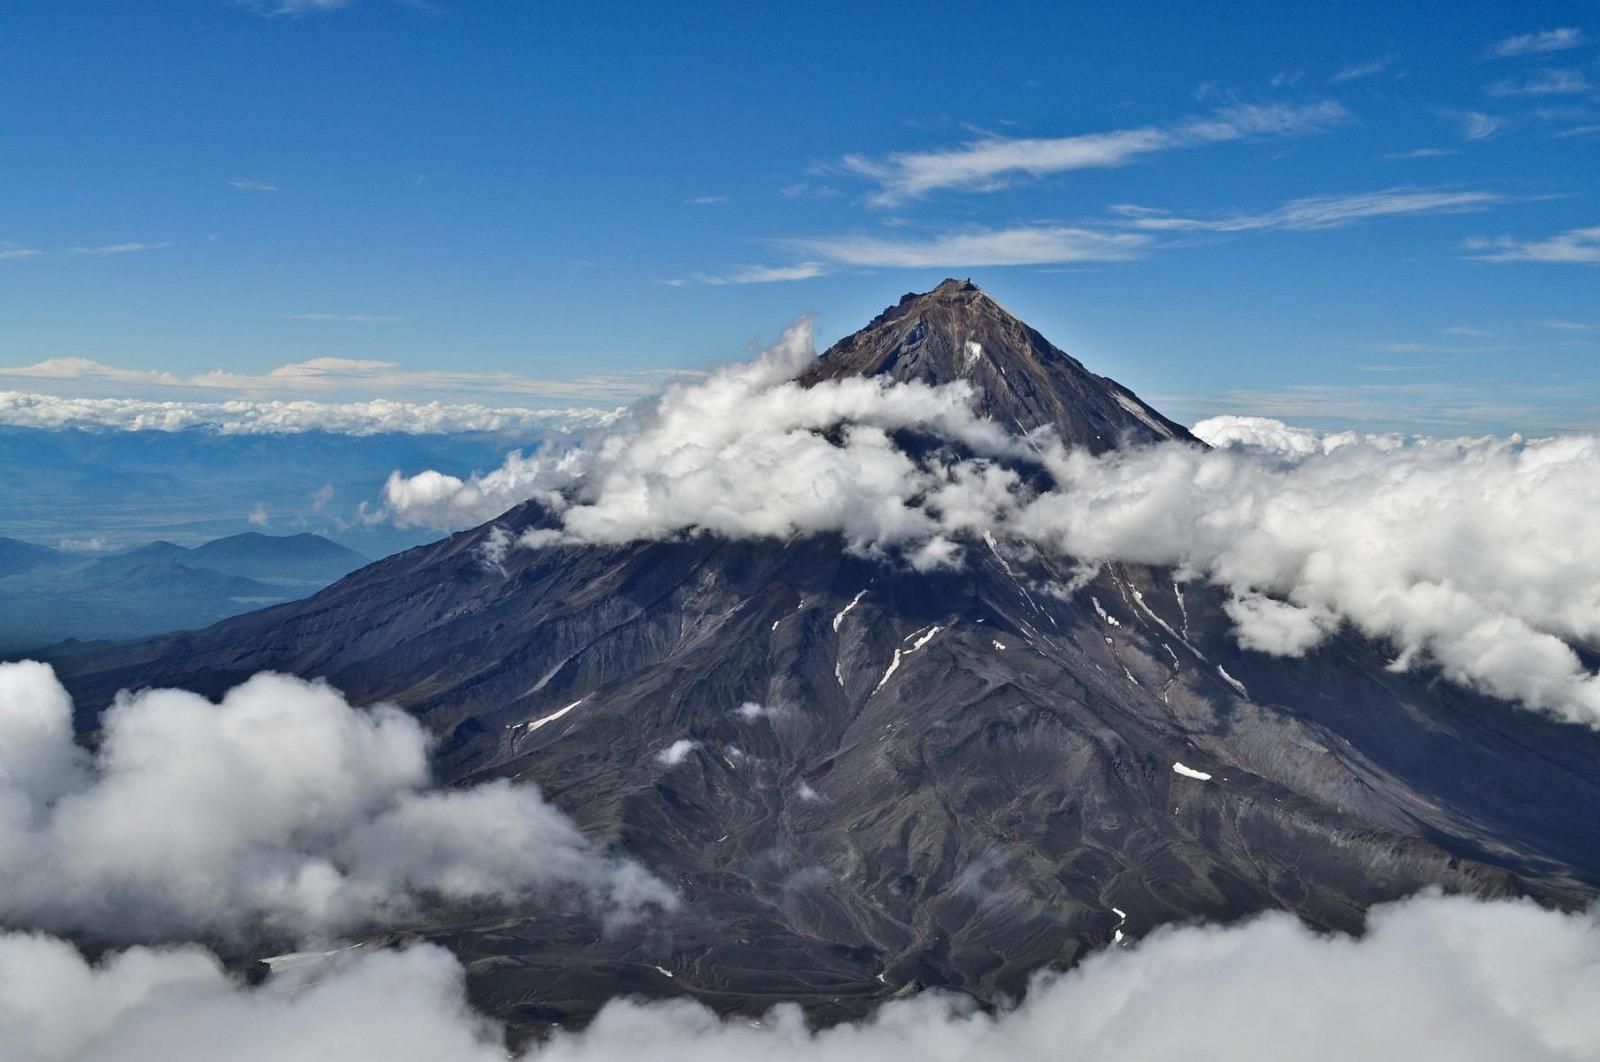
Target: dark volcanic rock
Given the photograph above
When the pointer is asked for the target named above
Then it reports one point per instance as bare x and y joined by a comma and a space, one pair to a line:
946, 780
957, 332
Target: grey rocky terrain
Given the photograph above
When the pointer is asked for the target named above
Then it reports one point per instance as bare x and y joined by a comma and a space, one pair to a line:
898, 780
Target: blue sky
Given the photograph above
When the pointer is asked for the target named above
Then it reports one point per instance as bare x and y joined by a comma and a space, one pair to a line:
1335, 213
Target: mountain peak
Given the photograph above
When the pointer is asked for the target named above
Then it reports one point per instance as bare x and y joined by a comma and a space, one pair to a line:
958, 332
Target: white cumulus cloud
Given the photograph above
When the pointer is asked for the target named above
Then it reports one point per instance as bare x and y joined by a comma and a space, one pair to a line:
280, 810
1432, 978
1460, 555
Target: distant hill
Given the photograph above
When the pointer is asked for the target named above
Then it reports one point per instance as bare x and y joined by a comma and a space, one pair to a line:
19, 556
49, 595
277, 558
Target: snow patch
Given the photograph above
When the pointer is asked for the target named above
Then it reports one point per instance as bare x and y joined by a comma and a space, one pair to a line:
1230, 680
899, 654
1190, 772
846, 610
999, 644
894, 665
1133, 406
552, 717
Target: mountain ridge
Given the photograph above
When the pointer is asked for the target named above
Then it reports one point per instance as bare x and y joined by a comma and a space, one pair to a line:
895, 778
958, 332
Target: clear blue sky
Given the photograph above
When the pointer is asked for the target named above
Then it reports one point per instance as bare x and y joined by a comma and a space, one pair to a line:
559, 190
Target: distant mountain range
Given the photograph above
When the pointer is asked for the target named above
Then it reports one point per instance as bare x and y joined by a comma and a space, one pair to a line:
49, 595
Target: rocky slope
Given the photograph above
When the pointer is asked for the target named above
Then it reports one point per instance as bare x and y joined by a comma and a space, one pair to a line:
864, 779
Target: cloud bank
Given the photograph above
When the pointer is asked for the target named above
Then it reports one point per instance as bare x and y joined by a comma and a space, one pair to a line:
1431, 978
376, 417
329, 379
1460, 554
280, 811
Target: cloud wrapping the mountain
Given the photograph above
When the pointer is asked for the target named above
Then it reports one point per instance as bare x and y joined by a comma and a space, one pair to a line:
1465, 554
1432, 977
279, 811
745, 453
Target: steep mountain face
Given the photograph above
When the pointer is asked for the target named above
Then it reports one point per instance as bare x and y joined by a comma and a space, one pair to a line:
864, 779
958, 332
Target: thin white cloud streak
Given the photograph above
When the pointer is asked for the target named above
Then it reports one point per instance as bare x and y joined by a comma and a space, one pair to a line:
990, 163
1432, 977
248, 185
333, 376
766, 274
349, 318
278, 812
1475, 125
1459, 555
1020, 245
294, 8
132, 247
1573, 247
1372, 68
1545, 41
1318, 212
11, 252
376, 417
1543, 83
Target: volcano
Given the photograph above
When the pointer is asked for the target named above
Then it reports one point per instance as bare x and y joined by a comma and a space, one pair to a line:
866, 780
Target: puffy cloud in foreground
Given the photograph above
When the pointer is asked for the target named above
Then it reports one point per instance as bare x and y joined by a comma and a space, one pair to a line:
1468, 554
280, 810
1433, 978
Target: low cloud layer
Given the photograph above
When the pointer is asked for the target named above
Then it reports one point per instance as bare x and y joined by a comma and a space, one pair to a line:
1463, 554
377, 417
280, 811
1431, 978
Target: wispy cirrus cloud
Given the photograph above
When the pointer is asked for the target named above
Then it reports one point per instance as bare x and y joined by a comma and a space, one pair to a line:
992, 162
1017, 245
291, 8
348, 318
246, 184
131, 247
13, 252
1540, 43
1475, 125
1575, 246
1370, 68
765, 274
1317, 212
1420, 153
1542, 83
